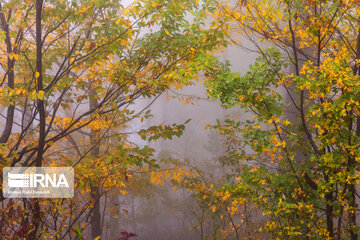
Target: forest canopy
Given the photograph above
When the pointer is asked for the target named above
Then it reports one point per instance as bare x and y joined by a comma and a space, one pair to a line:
75, 75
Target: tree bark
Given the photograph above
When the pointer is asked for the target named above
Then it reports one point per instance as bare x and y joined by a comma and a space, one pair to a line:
297, 109
11, 79
39, 81
96, 229
40, 105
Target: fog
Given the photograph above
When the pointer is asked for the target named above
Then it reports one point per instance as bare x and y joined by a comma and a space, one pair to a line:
158, 211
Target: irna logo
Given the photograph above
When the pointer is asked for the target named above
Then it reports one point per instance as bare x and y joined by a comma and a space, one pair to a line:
38, 182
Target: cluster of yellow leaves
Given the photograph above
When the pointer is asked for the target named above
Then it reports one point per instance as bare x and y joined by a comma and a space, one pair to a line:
96, 124
175, 174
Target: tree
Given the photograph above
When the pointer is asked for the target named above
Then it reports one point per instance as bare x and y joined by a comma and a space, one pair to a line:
59, 57
302, 167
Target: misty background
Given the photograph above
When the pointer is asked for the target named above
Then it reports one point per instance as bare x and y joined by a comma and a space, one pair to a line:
159, 212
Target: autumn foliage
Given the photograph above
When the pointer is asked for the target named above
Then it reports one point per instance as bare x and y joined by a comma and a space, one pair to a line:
73, 73
301, 166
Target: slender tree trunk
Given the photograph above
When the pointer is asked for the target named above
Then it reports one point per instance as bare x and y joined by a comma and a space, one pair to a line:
41, 108
10, 76
11, 80
96, 229
351, 161
39, 81
329, 212
352, 215
296, 114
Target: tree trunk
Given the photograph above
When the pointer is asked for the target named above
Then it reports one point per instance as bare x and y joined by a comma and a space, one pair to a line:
36, 220
11, 79
96, 226
296, 112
